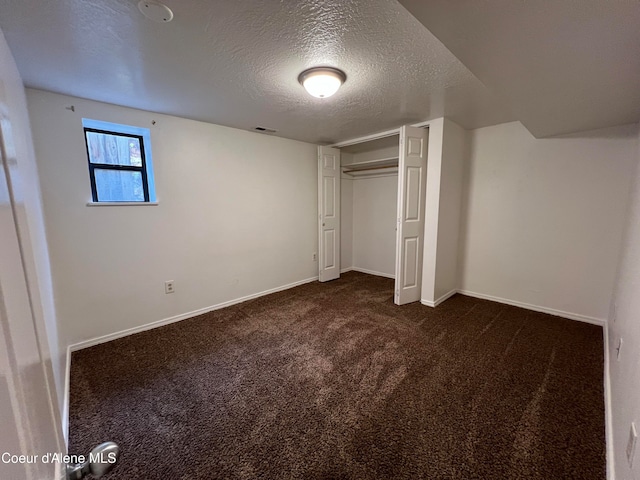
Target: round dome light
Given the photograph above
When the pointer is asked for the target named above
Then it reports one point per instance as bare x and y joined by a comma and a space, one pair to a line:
322, 82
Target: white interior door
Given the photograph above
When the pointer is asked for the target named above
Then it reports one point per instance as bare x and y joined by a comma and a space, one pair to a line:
412, 178
329, 213
27, 410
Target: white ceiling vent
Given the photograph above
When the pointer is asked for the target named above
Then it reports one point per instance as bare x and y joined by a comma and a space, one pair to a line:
155, 11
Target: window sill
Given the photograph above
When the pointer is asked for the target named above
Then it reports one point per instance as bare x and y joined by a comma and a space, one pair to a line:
122, 204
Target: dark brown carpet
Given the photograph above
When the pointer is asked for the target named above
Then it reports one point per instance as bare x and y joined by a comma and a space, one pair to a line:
333, 381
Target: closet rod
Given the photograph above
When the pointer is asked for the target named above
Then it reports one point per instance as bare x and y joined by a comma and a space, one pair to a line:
370, 168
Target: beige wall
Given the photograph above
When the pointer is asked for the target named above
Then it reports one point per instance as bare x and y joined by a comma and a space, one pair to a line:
454, 157
447, 155
432, 208
624, 323
375, 210
544, 218
237, 216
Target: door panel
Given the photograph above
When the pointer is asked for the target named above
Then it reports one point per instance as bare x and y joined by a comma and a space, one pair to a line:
410, 262
412, 177
412, 198
329, 213
330, 159
330, 253
329, 195
27, 406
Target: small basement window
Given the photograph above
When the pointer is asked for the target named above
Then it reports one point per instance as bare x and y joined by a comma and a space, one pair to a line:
120, 166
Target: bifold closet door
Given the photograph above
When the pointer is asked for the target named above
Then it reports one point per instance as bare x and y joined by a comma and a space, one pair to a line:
329, 213
412, 175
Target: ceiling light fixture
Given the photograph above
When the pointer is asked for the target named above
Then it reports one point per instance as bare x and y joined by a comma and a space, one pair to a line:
322, 82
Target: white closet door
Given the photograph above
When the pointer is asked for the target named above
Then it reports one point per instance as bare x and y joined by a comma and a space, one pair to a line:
329, 213
412, 175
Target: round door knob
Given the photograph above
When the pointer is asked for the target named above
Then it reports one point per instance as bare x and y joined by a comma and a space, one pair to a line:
104, 458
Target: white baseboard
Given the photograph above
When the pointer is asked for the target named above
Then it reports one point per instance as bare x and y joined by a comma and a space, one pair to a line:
183, 316
372, 272
177, 318
572, 316
438, 301
608, 414
551, 311
130, 331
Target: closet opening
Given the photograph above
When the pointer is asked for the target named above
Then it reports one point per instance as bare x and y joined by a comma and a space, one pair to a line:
371, 199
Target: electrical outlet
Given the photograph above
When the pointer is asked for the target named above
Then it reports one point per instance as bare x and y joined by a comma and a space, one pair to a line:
314, 256
631, 444
619, 348
168, 286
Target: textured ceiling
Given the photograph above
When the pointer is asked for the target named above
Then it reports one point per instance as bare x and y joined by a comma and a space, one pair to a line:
563, 66
236, 63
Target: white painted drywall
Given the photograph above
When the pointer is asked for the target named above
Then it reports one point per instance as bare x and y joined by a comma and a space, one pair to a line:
454, 155
374, 223
544, 217
446, 156
346, 222
237, 216
624, 323
432, 210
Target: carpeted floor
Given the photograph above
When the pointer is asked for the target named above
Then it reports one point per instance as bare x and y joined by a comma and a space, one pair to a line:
334, 381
